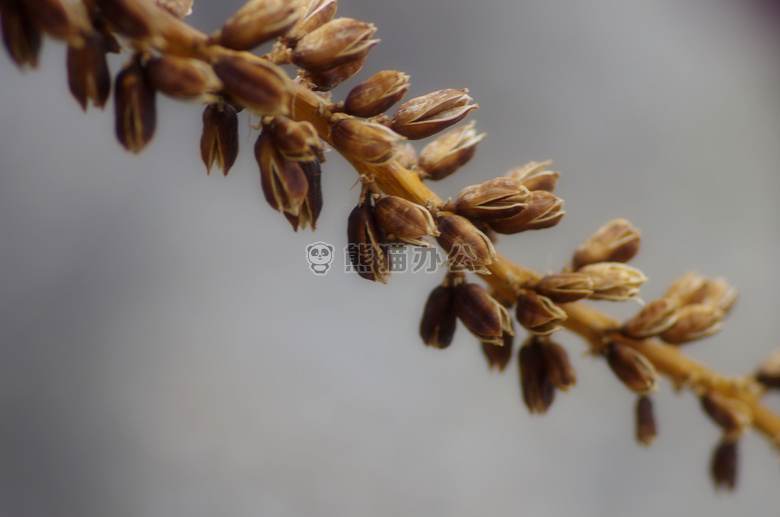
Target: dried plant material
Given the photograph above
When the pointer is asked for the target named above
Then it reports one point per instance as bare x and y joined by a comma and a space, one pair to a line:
425, 116
366, 141
494, 199
723, 465
62, 19
694, 288
256, 84
538, 314
535, 176
613, 281
312, 204
335, 43
557, 366
537, 389
466, 246
544, 210
406, 155
284, 182
654, 318
376, 94
616, 241
326, 80
498, 357
646, 429
297, 141
367, 246
88, 76
694, 321
732, 415
256, 22
182, 78
437, 326
138, 19
449, 152
768, 372
135, 107
219, 140
21, 37
312, 15
179, 8
632, 368
565, 287
481, 314
405, 221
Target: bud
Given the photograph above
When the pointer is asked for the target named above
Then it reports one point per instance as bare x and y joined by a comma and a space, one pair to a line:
134, 106
365, 141
534, 176
694, 321
297, 141
543, 211
632, 368
538, 314
654, 318
466, 246
723, 465
427, 115
695, 288
326, 80
62, 19
254, 83
495, 199
565, 287
616, 241
437, 326
334, 43
376, 94
257, 22
732, 415
88, 76
405, 221
284, 182
613, 281
312, 14
557, 366
182, 78
646, 430
219, 140
499, 356
21, 37
538, 391
449, 152
367, 247
768, 372
481, 314
179, 8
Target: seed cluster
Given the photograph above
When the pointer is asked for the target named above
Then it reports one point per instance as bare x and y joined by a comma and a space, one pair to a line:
297, 118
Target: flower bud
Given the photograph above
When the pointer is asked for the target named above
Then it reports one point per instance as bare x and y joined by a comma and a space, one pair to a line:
376, 94
543, 211
694, 321
88, 76
616, 241
405, 221
326, 80
367, 247
732, 415
646, 429
535, 176
297, 141
21, 36
656, 317
284, 182
312, 14
466, 246
333, 44
695, 288
427, 115
135, 107
481, 314
632, 368
537, 388
179, 8
565, 287
538, 314
181, 78
723, 465
495, 199
449, 152
557, 366
257, 22
613, 281
366, 141
437, 326
498, 357
254, 83
768, 372
219, 140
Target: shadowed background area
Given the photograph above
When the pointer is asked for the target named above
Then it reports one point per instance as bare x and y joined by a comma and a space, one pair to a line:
164, 349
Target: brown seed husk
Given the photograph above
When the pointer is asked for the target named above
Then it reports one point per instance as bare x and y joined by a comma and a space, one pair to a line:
724, 463
646, 429
437, 326
538, 314
616, 241
537, 389
88, 76
219, 140
135, 107
425, 116
367, 247
632, 368
376, 94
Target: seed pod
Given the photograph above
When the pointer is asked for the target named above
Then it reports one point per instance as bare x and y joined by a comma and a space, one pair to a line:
405, 220
62, 19
88, 75
449, 152
367, 247
498, 357
494, 199
376, 94
632, 368
424, 116
538, 391
312, 14
254, 83
646, 430
616, 241
135, 107
613, 281
543, 211
481, 314
284, 182
656, 317
535, 176
723, 465
437, 326
179, 8
326, 80
21, 37
538, 314
219, 140
297, 141
334, 43
694, 321
768, 372
466, 246
565, 287
557, 366
182, 78
366, 141
257, 22
732, 415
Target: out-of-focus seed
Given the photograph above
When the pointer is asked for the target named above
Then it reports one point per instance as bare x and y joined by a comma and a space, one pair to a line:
135, 107
632, 368
723, 465
256, 22
646, 429
535, 176
694, 321
654, 318
437, 326
481, 314
88, 76
616, 241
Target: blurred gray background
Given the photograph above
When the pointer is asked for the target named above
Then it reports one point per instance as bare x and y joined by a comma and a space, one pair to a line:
165, 351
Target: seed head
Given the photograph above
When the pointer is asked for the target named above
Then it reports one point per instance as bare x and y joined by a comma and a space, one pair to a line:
326, 80
466, 246
437, 326
334, 43
366, 141
616, 241
88, 76
257, 22
376, 94
632, 368
538, 314
535, 176
254, 83
134, 106
312, 14
654, 318
219, 140
695, 288
694, 321
449, 152
427, 115
565, 287
481, 314
544, 210
496, 199
297, 141
284, 182
405, 221
613, 281
182, 78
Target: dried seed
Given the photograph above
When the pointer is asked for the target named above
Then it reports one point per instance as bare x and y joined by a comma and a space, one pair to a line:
256, 22
613, 281
21, 37
405, 220
367, 246
565, 287
466, 246
538, 391
312, 14
255, 83
535, 176
135, 107
376, 94
694, 321
538, 314
284, 182
88, 76
449, 152
695, 288
427, 115
437, 326
62, 19
616, 241
543, 211
632, 368
137, 19
495, 199
312, 206
334, 43
646, 430
732, 415
366, 141
498, 357
481, 314
326, 80
182, 78
297, 141
723, 466
656, 317
219, 140
557, 366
